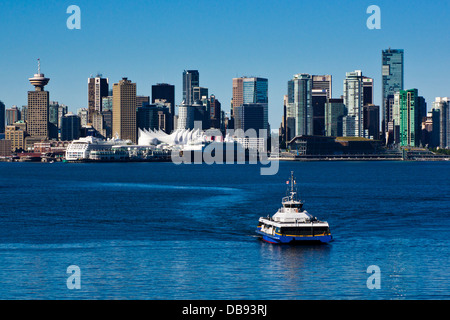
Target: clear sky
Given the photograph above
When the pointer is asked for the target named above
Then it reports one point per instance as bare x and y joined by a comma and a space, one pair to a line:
154, 41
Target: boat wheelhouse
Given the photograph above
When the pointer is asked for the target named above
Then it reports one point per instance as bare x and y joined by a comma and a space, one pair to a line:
292, 223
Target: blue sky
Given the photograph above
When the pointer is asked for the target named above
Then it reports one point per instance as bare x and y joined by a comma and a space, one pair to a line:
154, 41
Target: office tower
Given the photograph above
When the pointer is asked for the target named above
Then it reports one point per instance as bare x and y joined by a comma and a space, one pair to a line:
199, 93
98, 124
191, 79
392, 82
70, 127
107, 122
371, 119
107, 103
410, 119
249, 116
97, 89
24, 113
321, 91
215, 112
256, 90
124, 110
185, 116
322, 85
335, 111
153, 117
300, 105
12, 115
142, 100
165, 91
83, 114
16, 133
2, 117
238, 93
367, 91
353, 100
442, 107
38, 101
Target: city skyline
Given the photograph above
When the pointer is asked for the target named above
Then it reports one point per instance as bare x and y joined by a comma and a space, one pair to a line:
277, 57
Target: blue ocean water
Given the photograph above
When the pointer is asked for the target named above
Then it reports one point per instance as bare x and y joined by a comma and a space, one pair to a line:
185, 232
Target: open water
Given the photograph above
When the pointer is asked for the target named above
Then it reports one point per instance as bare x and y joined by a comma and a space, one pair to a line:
185, 232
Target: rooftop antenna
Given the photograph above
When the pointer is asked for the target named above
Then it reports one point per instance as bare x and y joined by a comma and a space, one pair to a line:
39, 66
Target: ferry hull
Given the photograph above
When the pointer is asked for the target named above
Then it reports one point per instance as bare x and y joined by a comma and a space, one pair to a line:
279, 239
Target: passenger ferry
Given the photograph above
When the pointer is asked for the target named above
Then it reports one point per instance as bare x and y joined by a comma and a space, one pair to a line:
292, 224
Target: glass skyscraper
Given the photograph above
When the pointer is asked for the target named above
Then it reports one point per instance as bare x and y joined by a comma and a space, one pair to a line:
191, 79
299, 104
256, 90
392, 82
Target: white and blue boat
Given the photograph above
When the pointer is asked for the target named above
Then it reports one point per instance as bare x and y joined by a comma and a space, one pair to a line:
292, 224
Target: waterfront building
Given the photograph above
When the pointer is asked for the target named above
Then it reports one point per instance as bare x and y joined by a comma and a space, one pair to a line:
353, 100
299, 104
191, 79
2, 117
98, 88
392, 82
5, 148
367, 91
17, 133
12, 115
442, 106
124, 110
335, 111
38, 101
70, 127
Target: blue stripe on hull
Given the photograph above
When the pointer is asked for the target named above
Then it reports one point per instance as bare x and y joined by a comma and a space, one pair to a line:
276, 239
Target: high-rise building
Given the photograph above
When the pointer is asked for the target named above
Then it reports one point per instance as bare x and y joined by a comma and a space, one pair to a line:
251, 90
238, 93
142, 100
367, 91
191, 79
335, 111
353, 100
410, 117
83, 114
371, 119
322, 84
124, 110
153, 117
442, 106
97, 89
70, 127
38, 101
12, 115
299, 104
165, 91
2, 117
249, 116
215, 112
392, 82
186, 115
321, 91
199, 93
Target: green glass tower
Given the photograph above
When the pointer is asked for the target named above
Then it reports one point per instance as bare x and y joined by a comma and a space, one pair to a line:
409, 112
